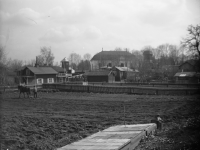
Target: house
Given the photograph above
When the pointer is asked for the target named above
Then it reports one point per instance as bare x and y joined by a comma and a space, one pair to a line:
100, 76
189, 66
187, 77
61, 74
37, 75
112, 58
188, 72
123, 73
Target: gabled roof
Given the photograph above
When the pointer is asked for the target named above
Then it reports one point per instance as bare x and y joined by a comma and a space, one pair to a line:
191, 62
112, 55
98, 73
58, 69
42, 70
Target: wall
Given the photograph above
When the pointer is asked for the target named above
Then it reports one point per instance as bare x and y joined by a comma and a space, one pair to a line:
97, 78
32, 81
46, 76
95, 63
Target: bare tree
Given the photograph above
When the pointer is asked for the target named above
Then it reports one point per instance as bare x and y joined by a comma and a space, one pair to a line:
174, 53
138, 59
31, 62
74, 58
192, 40
46, 57
3, 66
84, 65
87, 56
2, 54
15, 64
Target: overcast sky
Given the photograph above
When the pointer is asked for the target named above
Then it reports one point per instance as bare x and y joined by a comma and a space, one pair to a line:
87, 26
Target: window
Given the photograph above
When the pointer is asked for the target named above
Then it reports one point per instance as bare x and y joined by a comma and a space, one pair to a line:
40, 81
60, 80
50, 80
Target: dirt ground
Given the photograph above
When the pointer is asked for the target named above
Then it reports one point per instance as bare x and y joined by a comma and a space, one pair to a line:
57, 119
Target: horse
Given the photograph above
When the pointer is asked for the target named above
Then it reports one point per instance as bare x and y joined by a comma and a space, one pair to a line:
23, 90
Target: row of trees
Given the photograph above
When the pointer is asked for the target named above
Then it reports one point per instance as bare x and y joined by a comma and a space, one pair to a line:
165, 54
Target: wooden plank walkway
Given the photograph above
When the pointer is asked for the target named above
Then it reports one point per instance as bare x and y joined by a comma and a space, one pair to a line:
120, 137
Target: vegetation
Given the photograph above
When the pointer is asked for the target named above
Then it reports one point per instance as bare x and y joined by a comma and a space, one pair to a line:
192, 41
158, 67
57, 119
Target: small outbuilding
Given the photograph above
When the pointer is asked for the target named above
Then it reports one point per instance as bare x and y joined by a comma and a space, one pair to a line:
123, 73
100, 76
187, 77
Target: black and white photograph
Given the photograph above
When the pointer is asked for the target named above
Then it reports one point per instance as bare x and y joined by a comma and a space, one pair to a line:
99, 74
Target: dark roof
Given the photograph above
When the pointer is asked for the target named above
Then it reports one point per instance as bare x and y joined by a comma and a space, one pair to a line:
191, 62
42, 70
110, 55
98, 73
185, 74
58, 69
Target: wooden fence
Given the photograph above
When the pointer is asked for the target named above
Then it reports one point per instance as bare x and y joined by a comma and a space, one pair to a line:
14, 88
146, 84
121, 89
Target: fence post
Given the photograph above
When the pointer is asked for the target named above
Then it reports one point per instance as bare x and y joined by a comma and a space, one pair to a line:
156, 92
130, 90
88, 89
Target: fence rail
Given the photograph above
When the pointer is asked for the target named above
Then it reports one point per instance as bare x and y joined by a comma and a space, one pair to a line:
121, 89
13, 88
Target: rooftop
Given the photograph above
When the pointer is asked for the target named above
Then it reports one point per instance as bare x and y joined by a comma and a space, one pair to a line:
110, 55
42, 70
98, 73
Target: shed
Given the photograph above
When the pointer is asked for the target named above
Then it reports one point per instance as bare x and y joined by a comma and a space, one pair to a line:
100, 76
187, 77
125, 73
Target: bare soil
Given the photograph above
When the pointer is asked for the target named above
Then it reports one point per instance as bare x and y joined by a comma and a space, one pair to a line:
57, 119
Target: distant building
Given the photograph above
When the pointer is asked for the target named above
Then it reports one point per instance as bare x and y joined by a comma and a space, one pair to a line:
122, 73
187, 77
100, 76
44, 74
37, 75
189, 66
112, 58
188, 72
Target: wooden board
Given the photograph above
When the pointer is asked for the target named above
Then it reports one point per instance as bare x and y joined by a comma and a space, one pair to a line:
136, 127
121, 137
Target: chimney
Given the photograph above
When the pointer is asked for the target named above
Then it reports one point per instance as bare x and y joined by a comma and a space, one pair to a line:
36, 62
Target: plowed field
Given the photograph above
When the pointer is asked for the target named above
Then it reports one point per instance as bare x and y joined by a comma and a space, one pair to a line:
57, 119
